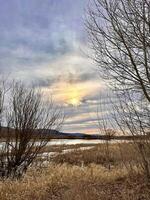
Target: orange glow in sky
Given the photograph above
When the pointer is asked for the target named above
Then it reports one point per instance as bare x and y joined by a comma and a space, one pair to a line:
72, 93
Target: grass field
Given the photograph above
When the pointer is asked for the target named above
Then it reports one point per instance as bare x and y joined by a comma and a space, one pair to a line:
83, 175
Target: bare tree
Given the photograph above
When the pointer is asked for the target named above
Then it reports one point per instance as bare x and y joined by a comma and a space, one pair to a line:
106, 127
3, 90
119, 33
29, 121
133, 118
120, 37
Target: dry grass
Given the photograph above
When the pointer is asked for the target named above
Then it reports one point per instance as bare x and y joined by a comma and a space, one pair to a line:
66, 182
119, 154
66, 179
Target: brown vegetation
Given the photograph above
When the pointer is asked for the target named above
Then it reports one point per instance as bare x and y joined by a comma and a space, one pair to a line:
121, 154
75, 181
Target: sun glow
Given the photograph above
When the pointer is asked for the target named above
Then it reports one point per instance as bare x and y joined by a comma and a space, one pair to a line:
70, 93
74, 102
73, 95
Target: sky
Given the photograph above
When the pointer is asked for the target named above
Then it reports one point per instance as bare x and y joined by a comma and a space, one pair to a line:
45, 42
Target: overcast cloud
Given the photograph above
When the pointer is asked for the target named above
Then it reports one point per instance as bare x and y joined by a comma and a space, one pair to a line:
45, 43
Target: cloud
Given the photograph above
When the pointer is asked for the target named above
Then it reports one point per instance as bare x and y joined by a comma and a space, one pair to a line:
44, 42
36, 32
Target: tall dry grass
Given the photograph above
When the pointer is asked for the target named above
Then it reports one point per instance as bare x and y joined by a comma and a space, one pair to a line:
66, 182
120, 154
82, 175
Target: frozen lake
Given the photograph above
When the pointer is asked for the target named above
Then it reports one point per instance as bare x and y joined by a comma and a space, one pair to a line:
68, 142
72, 142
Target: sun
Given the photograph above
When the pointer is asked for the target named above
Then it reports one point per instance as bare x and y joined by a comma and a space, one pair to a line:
73, 95
74, 101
